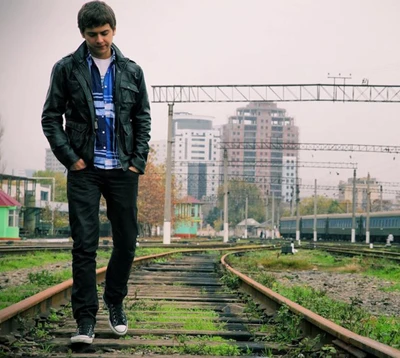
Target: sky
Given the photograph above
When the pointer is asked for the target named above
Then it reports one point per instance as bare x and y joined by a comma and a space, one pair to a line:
218, 42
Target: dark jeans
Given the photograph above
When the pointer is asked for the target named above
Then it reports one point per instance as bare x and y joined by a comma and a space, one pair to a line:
84, 188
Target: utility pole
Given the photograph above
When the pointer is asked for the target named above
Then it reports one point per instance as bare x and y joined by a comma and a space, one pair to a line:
226, 225
168, 180
266, 215
273, 216
297, 214
353, 217
278, 213
368, 210
315, 211
291, 202
381, 198
246, 211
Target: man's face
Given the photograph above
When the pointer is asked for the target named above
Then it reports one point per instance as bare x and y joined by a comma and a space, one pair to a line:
99, 40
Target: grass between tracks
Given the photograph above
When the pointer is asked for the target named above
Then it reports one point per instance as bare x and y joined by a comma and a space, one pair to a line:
258, 265
41, 278
158, 314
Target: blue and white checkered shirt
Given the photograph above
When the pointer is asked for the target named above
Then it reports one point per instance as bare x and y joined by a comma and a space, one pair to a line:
105, 149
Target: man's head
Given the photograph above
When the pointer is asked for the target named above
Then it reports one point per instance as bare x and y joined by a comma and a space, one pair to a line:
95, 14
97, 23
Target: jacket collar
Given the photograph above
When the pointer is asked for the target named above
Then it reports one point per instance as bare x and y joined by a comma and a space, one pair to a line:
81, 53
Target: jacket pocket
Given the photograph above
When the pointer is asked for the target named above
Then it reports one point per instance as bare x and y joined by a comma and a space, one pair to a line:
76, 133
129, 92
128, 138
76, 94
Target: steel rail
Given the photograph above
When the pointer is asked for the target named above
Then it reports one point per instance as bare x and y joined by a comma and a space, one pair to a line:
312, 322
51, 297
57, 295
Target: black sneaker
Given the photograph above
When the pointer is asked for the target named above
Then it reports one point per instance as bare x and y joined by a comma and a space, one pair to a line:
84, 333
117, 318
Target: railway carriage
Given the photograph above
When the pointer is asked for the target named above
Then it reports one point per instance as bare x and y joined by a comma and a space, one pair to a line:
287, 226
382, 224
338, 226
307, 225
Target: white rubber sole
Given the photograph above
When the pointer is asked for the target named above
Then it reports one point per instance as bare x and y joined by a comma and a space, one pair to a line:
118, 333
82, 339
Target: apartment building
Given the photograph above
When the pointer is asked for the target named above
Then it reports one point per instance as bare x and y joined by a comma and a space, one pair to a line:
159, 153
346, 191
196, 155
289, 178
52, 163
270, 166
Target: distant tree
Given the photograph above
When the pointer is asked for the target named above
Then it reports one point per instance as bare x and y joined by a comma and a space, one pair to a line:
218, 224
238, 191
2, 161
151, 196
213, 216
324, 206
60, 183
60, 218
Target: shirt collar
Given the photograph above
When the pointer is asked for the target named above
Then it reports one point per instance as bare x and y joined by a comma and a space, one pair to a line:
89, 57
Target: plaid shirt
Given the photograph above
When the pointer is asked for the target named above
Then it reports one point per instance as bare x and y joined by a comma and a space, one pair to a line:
105, 150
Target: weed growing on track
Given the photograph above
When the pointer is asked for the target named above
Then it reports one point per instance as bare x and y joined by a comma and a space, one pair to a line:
38, 258
351, 316
37, 282
230, 280
41, 280
311, 347
157, 314
199, 345
46, 278
41, 258
288, 326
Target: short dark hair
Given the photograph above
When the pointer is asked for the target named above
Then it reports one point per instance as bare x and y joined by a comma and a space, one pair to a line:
95, 13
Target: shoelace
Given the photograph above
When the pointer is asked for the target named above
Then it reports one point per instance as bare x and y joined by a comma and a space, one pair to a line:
85, 329
117, 315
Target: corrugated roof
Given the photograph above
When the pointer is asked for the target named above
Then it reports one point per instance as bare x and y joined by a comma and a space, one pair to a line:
7, 200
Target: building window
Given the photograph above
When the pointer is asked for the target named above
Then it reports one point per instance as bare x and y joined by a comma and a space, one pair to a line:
13, 218
44, 196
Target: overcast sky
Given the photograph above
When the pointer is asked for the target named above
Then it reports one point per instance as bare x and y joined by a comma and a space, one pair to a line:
219, 42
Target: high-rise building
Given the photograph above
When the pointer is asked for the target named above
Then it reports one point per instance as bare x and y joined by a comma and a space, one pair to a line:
196, 155
52, 162
160, 151
289, 178
272, 169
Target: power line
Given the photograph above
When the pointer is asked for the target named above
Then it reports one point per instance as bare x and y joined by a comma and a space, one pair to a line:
267, 164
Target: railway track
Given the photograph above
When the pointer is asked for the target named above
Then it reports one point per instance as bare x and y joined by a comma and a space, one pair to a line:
181, 306
358, 251
23, 248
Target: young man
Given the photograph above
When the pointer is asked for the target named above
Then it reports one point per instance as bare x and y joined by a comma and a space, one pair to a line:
102, 96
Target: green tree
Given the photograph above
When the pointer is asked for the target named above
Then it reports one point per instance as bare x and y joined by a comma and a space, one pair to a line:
324, 206
213, 216
60, 218
238, 190
60, 183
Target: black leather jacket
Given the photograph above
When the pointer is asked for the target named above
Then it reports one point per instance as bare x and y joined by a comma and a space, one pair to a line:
70, 95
